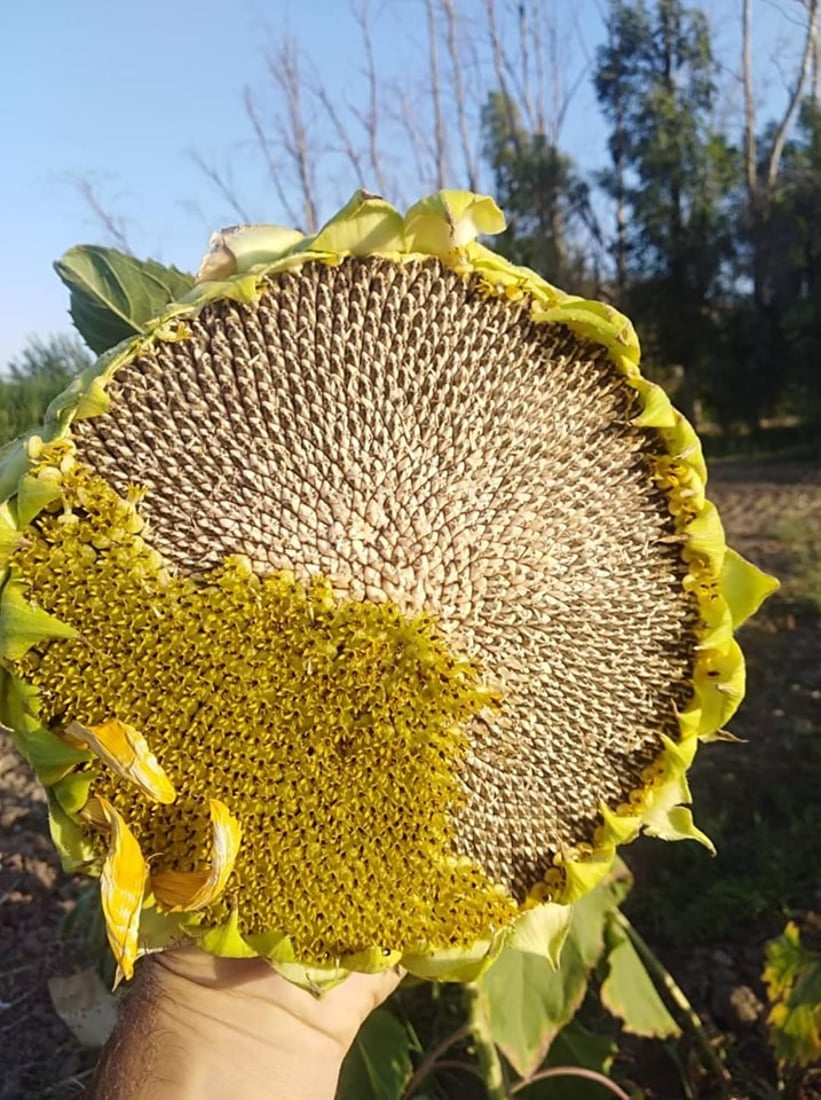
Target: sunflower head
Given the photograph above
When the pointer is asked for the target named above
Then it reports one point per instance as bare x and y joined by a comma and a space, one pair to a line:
358, 609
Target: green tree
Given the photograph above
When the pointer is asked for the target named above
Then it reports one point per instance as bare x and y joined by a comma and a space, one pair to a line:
796, 252
670, 175
770, 338
762, 227
546, 201
34, 378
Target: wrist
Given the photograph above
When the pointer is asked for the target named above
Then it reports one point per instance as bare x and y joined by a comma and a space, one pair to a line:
236, 1028
197, 1027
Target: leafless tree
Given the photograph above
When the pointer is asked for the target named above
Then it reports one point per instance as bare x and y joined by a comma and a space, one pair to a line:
501, 67
291, 128
435, 84
398, 136
761, 173
459, 96
268, 152
370, 119
427, 123
222, 182
113, 225
761, 169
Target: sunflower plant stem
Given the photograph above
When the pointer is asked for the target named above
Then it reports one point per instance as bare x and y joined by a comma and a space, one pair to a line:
663, 976
571, 1071
431, 1061
490, 1064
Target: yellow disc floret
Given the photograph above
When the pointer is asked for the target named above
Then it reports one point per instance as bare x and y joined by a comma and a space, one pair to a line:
333, 731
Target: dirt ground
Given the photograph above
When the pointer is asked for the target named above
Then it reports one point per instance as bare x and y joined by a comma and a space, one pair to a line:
759, 502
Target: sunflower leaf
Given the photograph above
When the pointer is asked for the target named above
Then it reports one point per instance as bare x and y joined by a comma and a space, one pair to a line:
113, 296
574, 1046
378, 1065
628, 991
528, 1000
793, 980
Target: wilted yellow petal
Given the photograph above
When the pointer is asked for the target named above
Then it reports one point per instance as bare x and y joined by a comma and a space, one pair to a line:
744, 586
191, 890
657, 412
238, 249
683, 443
125, 750
705, 536
122, 885
718, 682
366, 224
450, 219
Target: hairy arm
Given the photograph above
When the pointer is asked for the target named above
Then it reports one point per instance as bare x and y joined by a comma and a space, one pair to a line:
198, 1027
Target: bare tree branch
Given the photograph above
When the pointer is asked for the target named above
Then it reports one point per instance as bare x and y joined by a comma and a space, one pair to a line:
524, 57
556, 73
520, 86
517, 84
268, 155
283, 68
222, 185
500, 67
752, 169
408, 119
452, 40
559, 63
439, 137
777, 149
114, 226
370, 119
538, 53
350, 151
564, 104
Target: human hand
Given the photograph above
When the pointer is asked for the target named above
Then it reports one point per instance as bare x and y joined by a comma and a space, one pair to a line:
196, 1026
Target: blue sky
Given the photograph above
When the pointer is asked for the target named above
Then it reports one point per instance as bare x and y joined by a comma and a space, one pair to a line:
116, 93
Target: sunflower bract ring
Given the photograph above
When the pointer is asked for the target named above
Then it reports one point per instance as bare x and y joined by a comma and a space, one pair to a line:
357, 611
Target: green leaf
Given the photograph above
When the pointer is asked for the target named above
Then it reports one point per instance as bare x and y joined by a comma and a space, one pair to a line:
542, 931
72, 789
14, 462
454, 965
226, 940
578, 1047
628, 991
793, 979
72, 842
450, 219
113, 296
529, 1001
744, 586
378, 1065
